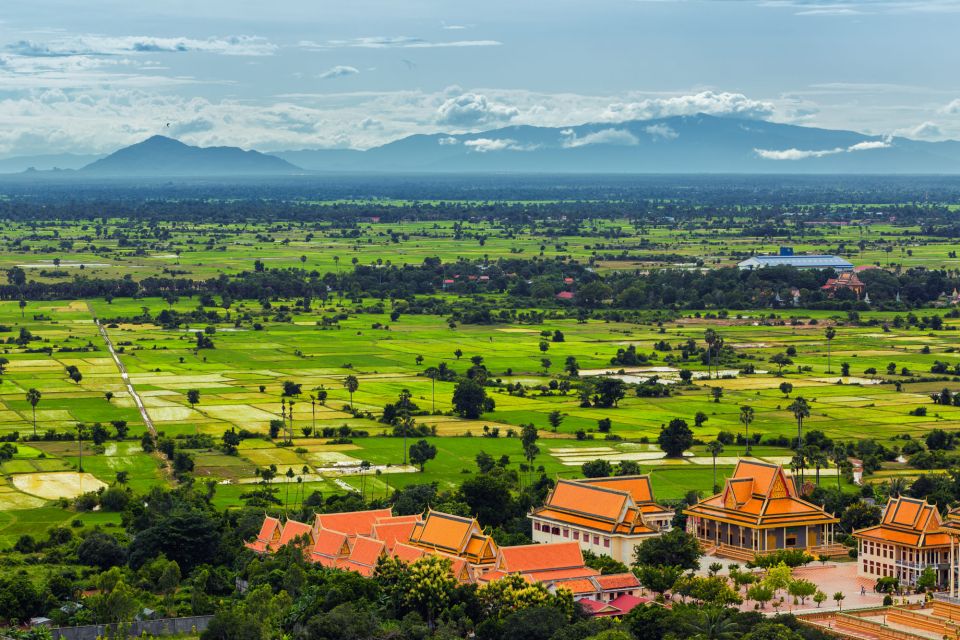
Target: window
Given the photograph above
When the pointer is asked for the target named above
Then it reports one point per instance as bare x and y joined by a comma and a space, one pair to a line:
536, 526
596, 539
606, 542
576, 535
566, 533
791, 541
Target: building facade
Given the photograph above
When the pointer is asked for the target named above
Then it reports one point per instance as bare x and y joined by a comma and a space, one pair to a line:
606, 516
797, 262
759, 512
909, 539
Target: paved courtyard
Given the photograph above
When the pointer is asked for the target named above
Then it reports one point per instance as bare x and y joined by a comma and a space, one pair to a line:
829, 578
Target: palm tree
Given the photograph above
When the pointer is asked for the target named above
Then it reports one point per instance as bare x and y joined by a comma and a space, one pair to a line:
712, 623
830, 334
800, 410
433, 373
351, 384
798, 463
819, 460
746, 417
33, 397
286, 500
313, 412
896, 487
710, 337
715, 448
839, 458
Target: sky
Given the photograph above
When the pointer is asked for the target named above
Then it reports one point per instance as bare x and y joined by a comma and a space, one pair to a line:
90, 77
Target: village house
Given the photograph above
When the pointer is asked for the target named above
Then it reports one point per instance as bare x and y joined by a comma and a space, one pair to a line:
606, 516
847, 280
758, 512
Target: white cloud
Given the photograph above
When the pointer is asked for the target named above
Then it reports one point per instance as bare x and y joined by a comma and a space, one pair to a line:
618, 137
394, 42
709, 102
662, 131
472, 109
923, 131
96, 45
447, 141
338, 71
803, 154
953, 108
484, 145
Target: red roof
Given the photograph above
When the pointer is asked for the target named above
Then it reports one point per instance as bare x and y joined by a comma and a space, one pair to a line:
617, 581
352, 523
292, 530
540, 557
627, 603
565, 295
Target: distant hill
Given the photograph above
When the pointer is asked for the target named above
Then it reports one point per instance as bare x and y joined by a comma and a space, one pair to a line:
162, 156
46, 162
681, 144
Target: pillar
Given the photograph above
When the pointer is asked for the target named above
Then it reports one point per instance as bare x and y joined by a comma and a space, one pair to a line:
951, 568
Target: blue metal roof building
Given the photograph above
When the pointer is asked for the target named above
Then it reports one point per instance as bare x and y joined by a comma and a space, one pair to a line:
798, 262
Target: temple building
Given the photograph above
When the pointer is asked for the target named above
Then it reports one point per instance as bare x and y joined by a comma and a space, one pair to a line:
456, 536
909, 539
356, 540
758, 512
607, 516
560, 565
846, 280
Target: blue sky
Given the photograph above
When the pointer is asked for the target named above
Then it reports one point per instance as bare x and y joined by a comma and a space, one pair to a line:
89, 77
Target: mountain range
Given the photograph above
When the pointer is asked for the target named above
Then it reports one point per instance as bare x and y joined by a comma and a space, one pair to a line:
680, 144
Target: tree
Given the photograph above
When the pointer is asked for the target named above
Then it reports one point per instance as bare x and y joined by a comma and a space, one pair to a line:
33, 397
711, 623
422, 452
555, 418
819, 597
108, 395
781, 360
351, 384
800, 410
710, 337
675, 438
609, 391
859, 515
802, 589
830, 334
715, 448
839, 598
193, 397
597, 469
470, 399
760, 593
717, 393
786, 389
699, 419
927, 580
528, 440
674, 548
746, 417
101, 550
658, 579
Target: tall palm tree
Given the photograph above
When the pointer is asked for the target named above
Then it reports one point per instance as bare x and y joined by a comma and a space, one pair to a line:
830, 334
800, 410
710, 337
819, 460
746, 417
351, 384
33, 397
798, 463
715, 448
839, 458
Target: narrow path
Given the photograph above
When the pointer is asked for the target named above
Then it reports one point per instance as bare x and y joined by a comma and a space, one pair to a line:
132, 391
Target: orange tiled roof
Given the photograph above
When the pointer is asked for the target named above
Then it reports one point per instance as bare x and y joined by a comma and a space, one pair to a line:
456, 535
292, 530
366, 551
760, 495
393, 532
540, 557
407, 553
616, 581
908, 522
329, 544
551, 575
577, 586
609, 505
352, 523
268, 536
